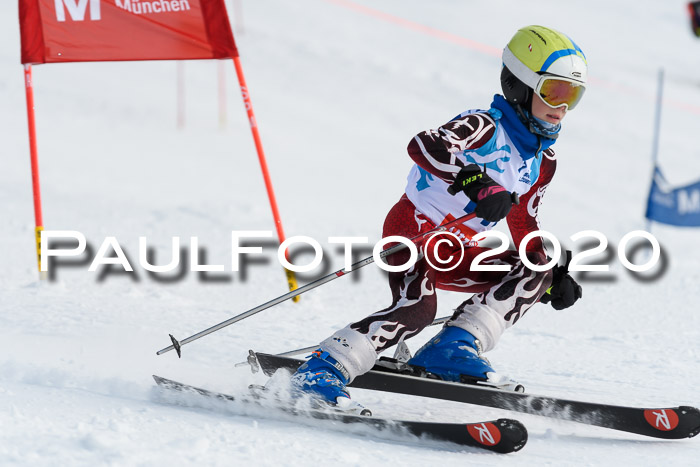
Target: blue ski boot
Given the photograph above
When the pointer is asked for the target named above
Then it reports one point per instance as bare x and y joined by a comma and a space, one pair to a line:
324, 379
454, 354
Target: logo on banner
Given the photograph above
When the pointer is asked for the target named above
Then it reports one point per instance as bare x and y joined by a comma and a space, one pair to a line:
688, 201
77, 9
674, 206
662, 419
142, 7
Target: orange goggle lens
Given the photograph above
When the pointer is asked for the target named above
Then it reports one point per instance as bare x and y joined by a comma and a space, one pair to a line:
557, 92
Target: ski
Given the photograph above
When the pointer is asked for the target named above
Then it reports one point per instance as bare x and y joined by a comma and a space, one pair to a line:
668, 423
502, 436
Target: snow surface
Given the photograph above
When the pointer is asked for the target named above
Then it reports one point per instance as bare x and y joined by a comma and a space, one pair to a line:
339, 88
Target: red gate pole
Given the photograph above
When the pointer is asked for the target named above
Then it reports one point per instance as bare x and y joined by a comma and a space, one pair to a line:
221, 78
291, 278
29, 88
180, 84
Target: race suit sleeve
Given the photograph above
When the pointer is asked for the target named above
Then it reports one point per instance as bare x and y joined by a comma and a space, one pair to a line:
523, 217
435, 151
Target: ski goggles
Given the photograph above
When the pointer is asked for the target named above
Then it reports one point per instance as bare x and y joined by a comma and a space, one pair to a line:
558, 91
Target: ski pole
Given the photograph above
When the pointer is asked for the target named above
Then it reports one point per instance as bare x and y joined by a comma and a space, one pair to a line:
177, 345
291, 353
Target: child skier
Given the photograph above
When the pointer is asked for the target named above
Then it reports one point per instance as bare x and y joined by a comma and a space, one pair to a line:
482, 156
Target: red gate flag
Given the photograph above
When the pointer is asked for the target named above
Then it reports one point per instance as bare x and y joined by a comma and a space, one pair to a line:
111, 30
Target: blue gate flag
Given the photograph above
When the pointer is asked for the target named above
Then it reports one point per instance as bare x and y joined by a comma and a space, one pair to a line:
674, 206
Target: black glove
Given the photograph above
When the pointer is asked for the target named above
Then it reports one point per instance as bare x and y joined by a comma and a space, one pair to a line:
564, 290
493, 202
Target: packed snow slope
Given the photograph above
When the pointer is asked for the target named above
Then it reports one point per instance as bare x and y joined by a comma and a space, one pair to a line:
339, 88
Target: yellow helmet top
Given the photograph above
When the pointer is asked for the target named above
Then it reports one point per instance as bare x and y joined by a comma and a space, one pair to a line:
537, 50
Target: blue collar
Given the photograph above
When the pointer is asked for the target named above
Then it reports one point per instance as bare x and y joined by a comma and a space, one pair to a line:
527, 143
